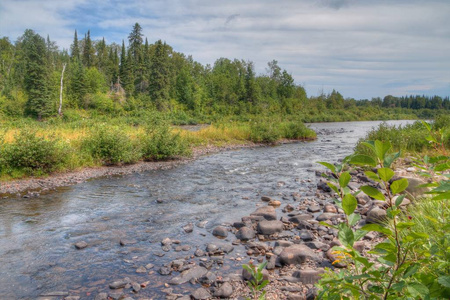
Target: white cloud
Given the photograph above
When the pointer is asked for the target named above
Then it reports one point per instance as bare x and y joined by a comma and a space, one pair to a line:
357, 47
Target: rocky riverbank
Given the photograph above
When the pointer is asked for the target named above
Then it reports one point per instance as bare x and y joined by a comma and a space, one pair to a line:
284, 231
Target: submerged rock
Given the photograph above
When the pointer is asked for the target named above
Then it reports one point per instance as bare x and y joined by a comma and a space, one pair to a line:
270, 227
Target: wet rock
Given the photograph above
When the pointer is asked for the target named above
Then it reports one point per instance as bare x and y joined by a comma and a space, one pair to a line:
207, 264
322, 185
272, 262
186, 248
306, 235
72, 298
55, 294
118, 295
226, 248
274, 203
314, 208
239, 225
318, 245
266, 198
258, 245
267, 212
202, 224
305, 225
166, 248
149, 266
245, 234
101, 296
282, 243
220, 231
326, 216
212, 247
166, 242
288, 208
376, 215
126, 242
296, 254
270, 227
201, 294
199, 253
188, 228
136, 287
224, 291
177, 264
300, 217
208, 279
308, 276
165, 271
193, 273
81, 245
141, 270
119, 284
330, 208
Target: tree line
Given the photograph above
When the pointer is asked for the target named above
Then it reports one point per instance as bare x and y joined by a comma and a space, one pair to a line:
138, 75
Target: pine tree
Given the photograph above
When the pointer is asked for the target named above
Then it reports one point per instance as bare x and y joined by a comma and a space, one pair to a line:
88, 51
75, 49
135, 43
159, 76
36, 75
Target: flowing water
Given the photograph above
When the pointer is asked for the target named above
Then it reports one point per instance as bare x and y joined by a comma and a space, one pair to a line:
37, 236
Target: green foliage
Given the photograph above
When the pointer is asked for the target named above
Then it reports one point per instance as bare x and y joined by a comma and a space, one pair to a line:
161, 143
412, 262
32, 154
257, 282
264, 132
111, 146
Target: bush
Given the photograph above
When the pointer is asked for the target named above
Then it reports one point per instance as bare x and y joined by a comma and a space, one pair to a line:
111, 146
161, 143
296, 130
264, 132
34, 155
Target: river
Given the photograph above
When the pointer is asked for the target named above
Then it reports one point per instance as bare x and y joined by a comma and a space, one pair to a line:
37, 235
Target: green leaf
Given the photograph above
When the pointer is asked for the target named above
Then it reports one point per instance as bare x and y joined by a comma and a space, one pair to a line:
381, 148
349, 204
389, 159
331, 167
427, 126
372, 192
370, 145
417, 290
442, 167
402, 225
359, 234
399, 200
385, 174
411, 270
372, 175
346, 235
443, 196
444, 281
344, 179
398, 286
353, 219
377, 228
399, 186
333, 187
362, 160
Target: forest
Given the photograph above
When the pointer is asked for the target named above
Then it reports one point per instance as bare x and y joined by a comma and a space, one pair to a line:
119, 80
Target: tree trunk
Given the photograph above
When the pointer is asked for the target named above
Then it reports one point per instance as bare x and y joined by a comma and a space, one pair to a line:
61, 91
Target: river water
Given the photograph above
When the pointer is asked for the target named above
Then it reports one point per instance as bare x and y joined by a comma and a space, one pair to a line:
37, 236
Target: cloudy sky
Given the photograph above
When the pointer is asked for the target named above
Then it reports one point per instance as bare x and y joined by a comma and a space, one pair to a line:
362, 48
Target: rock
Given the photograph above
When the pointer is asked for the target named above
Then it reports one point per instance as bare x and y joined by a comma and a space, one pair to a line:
149, 266
282, 243
266, 198
359, 246
306, 235
188, 228
219, 248
354, 186
199, 253
288, 208
72, 298
296, 254
164, 271
136, 287
247, 276
166, 242
258, 245
201, 294
330, 208
101, 296
370, 235
192, 274
119, 284
126, 242
297, 219
308, 276
208, 279
318, 245
314, 208
201, 224
326, 216
305, 225
267, 212
212, 247
224, 291
376, 215
270, 227
81, 245
413, 187
311, 294
141, 270
220, 231
55, 294
272, 262
274, 203
322, 185
245, 234
238, 225
185, 247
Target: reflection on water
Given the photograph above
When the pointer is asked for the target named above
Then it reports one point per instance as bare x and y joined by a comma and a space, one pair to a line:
37, 235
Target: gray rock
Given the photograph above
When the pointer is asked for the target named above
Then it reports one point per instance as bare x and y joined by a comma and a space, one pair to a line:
330, 208
164, 271
101, 296
141, 269
220, 231
318, 245
136, 287
201, 294
224, 291
118, 284
334, 260
306, 236
296, 254
238, 225
201, 224
248, 276
166, 242
297, 219
326, 216
314, 208
362, 198
376, 215
282, 243
126, 242
308, 276
270, 227
272, 262
245, 234
208, 278
72, 298
81, 245
258, 245
55, 294
266, 198
186, 276
199, 253
267, 212
188, 228
413, 187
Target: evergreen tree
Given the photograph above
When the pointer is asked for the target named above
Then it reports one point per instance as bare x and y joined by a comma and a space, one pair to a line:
36, 75
159, 76
251, 87
75, 49
77, 83
88, 51
135, 43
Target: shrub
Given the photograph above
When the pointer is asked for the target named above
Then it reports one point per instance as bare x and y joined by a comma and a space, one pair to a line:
264, 132
161, 143
297, 130
34, 155
111, 146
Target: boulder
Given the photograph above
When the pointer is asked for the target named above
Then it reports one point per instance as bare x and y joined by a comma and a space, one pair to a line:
118, 284
413, 188
270, 227
220, 231
297, 219
296, 254
267, 212
191, 274
274, 203
314, 208
224, 291
245, 234
308, 276
376, 215
188, 228
81, 245
201, 294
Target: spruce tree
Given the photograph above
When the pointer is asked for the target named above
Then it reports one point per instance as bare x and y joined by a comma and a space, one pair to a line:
160, 76
75, 49
88, 51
